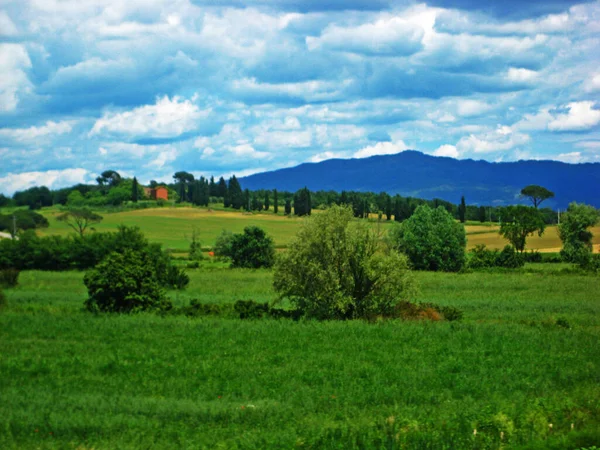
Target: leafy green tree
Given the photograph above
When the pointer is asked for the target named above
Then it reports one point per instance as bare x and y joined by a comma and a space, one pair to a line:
252, 249
4, 201
124, 283
22, 220
195, 252
518, 222
109, 178
134, 190
79, 219
432, 240
337, 268
223, 242
575, 234
275, 202
536, 194
462, 210
35, 197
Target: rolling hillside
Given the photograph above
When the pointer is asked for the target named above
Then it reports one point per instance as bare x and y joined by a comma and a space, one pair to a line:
412, 173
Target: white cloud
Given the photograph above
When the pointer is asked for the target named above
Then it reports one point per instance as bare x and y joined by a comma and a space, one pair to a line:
163, 157
470, 108
581, 116
52, 179
381, 148
446, 150
572, 157
33, 133
588, 144
395, 36
537, 121
309, 90
326, 155
7, 27
521, 75
592, 84
166, 118
441, 116
14, 61
500, 139
278, 139
247, 151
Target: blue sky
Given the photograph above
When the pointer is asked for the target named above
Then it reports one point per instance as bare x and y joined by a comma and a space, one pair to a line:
150, 87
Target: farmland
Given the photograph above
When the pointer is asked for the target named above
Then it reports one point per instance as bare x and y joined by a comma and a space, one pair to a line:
172, 227
520, 370
73, 380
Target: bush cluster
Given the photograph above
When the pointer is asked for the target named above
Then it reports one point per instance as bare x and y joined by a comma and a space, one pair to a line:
31, 252
243, 309
482, 258
251, 249
2, 300
125, 282
432, 240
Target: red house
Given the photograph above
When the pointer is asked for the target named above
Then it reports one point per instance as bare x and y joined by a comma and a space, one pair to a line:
157, 193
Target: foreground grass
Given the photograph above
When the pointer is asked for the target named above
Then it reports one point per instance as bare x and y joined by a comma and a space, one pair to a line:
72, 380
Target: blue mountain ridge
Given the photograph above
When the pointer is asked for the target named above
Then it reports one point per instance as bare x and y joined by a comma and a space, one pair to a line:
415, 174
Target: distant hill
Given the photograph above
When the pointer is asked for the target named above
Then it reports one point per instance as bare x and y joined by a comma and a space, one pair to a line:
412, 173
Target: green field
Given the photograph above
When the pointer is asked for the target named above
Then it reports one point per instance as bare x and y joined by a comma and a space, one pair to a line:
173, 226
69, 379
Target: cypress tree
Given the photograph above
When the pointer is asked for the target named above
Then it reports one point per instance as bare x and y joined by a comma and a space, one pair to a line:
247, 204
288, 207
134, 190
388, 208
462, 210
213, 189
236, 196
267, 200
222, 188
275, 202
482, 214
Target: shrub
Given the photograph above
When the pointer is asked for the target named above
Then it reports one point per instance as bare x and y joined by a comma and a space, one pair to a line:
432, 240
3, 301
340, 269
482, 258
509, 258
193, 265
124, 283
249, 309
9, 278
252, 249
222, 246
532, 257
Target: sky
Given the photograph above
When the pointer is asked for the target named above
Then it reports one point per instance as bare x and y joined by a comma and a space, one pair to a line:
151, 87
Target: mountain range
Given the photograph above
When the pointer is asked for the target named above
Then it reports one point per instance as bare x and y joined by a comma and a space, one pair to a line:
415, 174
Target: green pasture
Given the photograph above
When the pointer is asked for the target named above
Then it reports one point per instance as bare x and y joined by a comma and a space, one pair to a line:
521, 370
173, 226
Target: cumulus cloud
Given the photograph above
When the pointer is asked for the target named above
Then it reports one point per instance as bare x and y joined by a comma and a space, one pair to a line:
592, 84
501, 139
7, 27
14, 61
381, 148
521, 75
392, 36
33, 133
52, 179
167, 118
446, 150
469, 108
580, 116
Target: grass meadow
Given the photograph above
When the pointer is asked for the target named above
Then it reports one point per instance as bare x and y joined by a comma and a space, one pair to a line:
172, 227
508, 370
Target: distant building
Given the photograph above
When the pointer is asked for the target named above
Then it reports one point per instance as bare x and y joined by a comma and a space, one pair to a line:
157, 193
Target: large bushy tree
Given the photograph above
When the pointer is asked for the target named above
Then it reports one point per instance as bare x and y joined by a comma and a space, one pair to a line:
518, 222
251, 249
432, 240
338, 268
124, 283
574, 232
